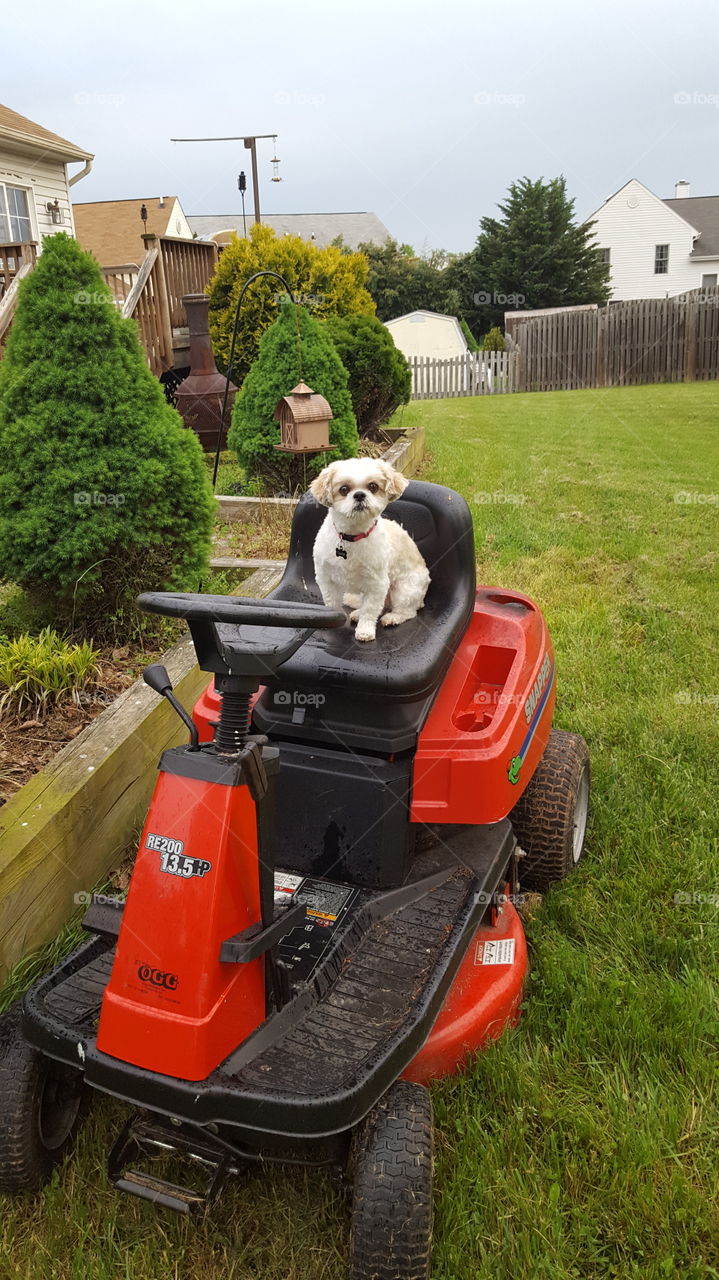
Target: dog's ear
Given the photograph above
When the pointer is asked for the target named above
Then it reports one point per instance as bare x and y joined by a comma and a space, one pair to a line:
321, 487
396, 482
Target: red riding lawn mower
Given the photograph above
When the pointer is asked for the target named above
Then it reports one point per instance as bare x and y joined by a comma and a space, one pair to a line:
320, 920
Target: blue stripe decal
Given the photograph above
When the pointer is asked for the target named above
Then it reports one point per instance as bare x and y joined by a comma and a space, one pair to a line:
536, 717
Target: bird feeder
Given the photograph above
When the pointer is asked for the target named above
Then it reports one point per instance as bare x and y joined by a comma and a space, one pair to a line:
304, 418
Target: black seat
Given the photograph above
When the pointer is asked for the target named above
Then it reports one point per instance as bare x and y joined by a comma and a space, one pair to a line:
375, 696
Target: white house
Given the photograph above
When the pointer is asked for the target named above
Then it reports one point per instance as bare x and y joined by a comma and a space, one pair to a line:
112, 230
428, 333
34, 189
658, 248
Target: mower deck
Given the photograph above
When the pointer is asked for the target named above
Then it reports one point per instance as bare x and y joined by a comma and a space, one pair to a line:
360, 1008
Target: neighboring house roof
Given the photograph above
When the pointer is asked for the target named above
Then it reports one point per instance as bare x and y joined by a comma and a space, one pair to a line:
112, 229
702, 213
321, 228
25, 135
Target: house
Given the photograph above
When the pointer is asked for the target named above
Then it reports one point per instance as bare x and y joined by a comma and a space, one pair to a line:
319, 228
427, 333
34, 189
658, 248
112, 230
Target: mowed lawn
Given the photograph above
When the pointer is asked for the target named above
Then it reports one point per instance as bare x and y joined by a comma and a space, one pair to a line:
583, 1144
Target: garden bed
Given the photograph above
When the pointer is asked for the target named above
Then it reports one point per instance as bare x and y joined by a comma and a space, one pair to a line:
28, 743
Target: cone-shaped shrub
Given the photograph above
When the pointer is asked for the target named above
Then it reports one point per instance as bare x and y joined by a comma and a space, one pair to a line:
294, 347
103, 491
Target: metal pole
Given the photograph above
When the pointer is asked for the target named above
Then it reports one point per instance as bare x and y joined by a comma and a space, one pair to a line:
251, 146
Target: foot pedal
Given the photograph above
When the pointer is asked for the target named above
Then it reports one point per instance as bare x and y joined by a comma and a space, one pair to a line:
148, 1139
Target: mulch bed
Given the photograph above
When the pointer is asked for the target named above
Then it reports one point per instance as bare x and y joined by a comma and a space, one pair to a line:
28, 744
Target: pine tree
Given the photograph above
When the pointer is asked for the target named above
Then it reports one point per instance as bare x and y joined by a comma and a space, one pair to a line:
534, 256
294, 348
103, 491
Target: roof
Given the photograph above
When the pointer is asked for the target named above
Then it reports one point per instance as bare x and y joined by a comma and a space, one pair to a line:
436, 315
112, 229
701, 212
28, 136
321, 228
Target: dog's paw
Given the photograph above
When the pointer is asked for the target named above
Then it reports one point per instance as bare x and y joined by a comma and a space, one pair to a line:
354, 616
395, 619
366, 631
353, 602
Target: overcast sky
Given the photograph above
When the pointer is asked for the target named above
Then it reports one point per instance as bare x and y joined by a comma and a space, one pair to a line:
421, 112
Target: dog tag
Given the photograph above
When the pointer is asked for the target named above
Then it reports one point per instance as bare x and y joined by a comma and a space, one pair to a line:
340, 551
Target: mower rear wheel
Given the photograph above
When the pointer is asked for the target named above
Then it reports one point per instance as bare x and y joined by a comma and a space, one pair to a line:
40, 1104
392, 1205
550, 820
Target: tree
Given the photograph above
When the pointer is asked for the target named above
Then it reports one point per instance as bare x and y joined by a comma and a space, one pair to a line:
294, 348
534, 256
400, 281
103, 490
494, 340
379, 376
325, 281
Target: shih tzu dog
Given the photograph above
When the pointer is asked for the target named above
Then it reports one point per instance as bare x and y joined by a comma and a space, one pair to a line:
360, 559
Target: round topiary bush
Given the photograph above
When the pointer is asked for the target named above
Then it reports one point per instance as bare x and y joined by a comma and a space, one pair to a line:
295, 347
379, 376
103, 491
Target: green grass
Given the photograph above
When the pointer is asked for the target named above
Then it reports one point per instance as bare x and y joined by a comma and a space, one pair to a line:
584, 1143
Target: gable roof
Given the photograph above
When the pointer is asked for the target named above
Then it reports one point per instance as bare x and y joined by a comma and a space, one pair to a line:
112, 229
320, 228
28, 136
702, 213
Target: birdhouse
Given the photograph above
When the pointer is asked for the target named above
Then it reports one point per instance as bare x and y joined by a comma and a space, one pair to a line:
304, 418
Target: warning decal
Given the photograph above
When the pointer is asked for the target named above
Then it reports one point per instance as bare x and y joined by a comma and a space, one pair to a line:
495, 951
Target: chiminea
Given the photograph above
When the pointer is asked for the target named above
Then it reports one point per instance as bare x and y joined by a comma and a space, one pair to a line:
199, 398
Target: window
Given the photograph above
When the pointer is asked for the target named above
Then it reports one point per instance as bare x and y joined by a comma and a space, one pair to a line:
709, 282
606, 256
15, 224
661, 259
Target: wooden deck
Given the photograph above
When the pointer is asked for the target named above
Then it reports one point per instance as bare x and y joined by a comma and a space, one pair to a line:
150, 291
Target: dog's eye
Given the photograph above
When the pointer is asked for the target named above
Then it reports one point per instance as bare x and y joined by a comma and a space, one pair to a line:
373, 487
344, 490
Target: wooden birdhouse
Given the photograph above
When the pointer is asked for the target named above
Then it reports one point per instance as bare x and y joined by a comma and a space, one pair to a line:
304, 418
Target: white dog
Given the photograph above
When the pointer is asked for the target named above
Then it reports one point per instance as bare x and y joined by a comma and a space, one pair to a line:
360, 559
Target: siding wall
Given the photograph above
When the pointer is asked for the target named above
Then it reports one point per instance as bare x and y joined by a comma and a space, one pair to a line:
46, 177
631, 224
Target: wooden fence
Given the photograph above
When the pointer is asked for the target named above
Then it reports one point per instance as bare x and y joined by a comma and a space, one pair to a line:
482, 373
624, 344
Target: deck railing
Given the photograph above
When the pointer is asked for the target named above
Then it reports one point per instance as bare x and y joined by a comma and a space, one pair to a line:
12, 258
170, 269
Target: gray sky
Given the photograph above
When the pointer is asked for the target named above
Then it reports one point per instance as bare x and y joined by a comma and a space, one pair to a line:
421, 112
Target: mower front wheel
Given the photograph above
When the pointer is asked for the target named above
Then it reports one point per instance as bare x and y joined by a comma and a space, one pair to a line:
391, 1232
550, 820
40, 1104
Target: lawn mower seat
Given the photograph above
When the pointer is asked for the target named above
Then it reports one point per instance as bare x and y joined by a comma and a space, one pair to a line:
375, 696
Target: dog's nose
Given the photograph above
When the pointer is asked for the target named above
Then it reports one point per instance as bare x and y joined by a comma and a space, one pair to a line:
359, 495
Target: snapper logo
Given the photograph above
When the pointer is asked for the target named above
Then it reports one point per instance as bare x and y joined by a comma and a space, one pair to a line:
537, 689
533, 708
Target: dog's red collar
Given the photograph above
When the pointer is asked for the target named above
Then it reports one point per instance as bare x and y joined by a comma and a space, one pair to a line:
355, 537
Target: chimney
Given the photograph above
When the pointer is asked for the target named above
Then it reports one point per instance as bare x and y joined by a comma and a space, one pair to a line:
162, 202
681, 189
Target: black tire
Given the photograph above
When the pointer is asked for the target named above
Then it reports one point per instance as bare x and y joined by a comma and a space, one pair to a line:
391, 1234
550, 819
40, 1106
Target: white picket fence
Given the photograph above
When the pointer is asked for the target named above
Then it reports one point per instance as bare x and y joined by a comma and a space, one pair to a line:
479, 373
